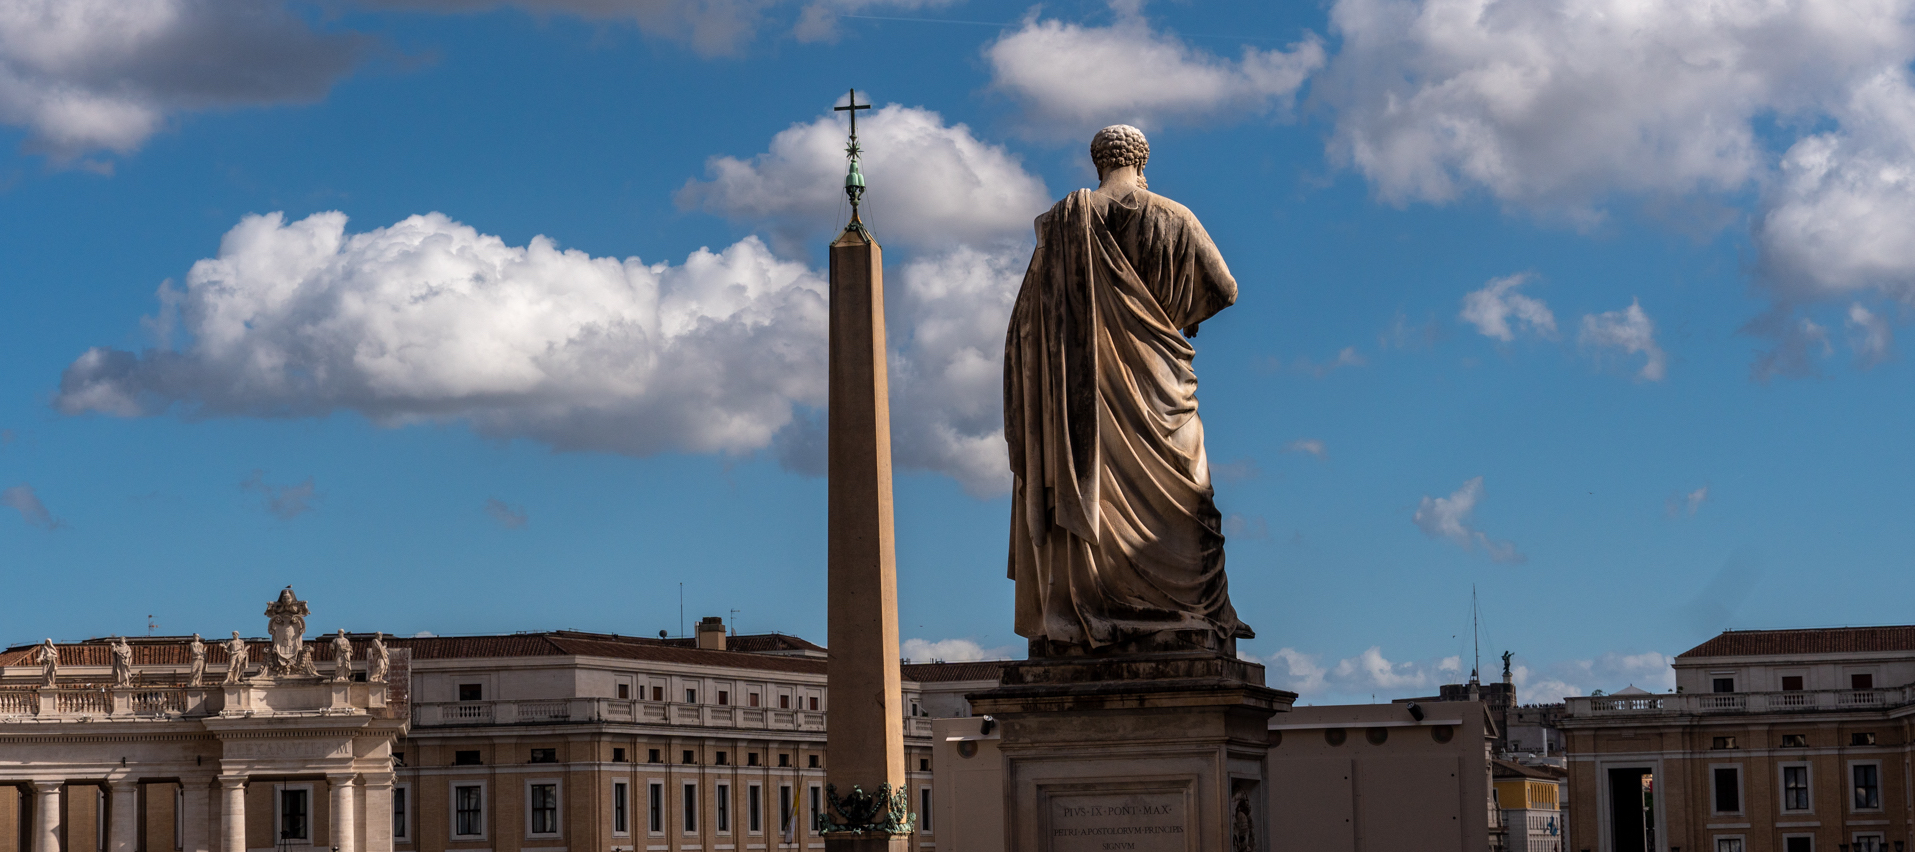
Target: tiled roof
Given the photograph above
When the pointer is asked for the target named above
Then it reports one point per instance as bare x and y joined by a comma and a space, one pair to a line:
1817, 640
946, 672
570, 643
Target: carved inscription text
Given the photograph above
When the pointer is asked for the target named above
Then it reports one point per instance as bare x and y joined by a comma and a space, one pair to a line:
1152, 821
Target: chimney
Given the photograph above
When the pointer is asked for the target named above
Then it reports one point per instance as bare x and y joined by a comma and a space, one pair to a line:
711, 633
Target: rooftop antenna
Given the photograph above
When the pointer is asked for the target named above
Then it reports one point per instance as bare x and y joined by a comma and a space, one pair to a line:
151, 625
681, 610
1476, 640
734, 622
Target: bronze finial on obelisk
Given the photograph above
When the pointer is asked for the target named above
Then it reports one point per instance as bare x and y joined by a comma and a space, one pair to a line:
866, 807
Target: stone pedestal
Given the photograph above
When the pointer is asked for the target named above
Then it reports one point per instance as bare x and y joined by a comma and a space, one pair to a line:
1164, 751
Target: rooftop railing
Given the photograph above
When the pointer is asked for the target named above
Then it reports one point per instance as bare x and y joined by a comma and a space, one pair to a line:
1725, 703
615, 710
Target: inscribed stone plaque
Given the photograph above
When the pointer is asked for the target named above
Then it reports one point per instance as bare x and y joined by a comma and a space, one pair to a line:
1134, 821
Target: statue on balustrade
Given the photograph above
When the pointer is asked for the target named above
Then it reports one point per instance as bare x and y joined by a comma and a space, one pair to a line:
196, 657
341, 658
235, 659
1116, 541
379, 660
122, 662
49, 664
288, 656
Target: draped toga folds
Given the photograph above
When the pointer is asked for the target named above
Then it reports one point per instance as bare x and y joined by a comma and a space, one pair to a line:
1114, 534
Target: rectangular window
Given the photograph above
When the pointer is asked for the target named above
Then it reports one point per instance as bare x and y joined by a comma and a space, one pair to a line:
1724, 684
812, 761
814, 702
545, 808
751, 759
724, 696
754, 699
1862, 739
1798, 844
1795, 740
784, 760
655, 756
924, 810
620, 819
691, 696
468, 811
1867, 843
817, 805
625, 690
655, 807
1728, 790
658, 693
179, 819
1791, 683
1728, 844
293, 810
399, 813
1861, 681
924, 764
618, 755
471, 692
724, 807
784, 809
1868, 786
1795, 788
784, 702
754, 809
465, 758
724, 758
545, 755
691, 808
688, 757
1722, 742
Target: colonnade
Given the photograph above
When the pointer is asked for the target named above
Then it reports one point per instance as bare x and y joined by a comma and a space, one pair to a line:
197, 818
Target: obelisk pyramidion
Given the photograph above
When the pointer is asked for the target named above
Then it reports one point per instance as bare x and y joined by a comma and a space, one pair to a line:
866, 806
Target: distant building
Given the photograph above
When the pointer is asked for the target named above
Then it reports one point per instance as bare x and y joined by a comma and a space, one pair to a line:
1783, 740
1497, 698
1531, 799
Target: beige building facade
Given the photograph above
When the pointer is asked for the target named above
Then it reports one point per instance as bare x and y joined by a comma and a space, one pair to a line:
531, 742
1775, 741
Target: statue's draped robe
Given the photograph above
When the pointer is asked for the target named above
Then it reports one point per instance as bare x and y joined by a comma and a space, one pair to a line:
1114, 533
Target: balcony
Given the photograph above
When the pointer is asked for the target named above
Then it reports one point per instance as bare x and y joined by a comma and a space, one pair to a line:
1739, 703
569, 711
88, 703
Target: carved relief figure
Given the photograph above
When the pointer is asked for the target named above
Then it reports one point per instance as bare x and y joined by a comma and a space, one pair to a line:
196, 668
235, 659
1116, 542
49, 664
287, 626
122, 662
379, 660
341, 657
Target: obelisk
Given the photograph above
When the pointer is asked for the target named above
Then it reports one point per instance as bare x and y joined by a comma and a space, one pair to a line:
867, 806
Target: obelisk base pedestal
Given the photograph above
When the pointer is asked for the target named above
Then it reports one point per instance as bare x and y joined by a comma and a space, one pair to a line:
868, 842
1151, 751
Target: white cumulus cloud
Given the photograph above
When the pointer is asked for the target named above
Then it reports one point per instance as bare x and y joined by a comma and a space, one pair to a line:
1493, 308
1312, 446
429, 319
84, 76
930, 185
1354, 679
1074, 78
505, 514
1631, 331
22, 498
949, 651
285, 502
1449, 518
1869, 336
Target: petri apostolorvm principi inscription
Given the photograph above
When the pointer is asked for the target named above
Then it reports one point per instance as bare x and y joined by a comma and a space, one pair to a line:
1143, 821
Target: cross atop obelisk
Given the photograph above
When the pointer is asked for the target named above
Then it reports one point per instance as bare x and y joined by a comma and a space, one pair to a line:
868, 808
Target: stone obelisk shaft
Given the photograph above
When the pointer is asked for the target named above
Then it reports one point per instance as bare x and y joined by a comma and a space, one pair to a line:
865, 737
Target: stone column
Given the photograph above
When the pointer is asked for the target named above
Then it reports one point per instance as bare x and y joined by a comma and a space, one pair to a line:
376, 836
232, 813
123, 815
865, 734
341, 824
196, 813
46, 815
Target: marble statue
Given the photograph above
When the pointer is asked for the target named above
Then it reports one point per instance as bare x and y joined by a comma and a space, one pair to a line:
378, 660
341, 658
49, 664
235, 659
196, 665
288, 656
1116, 542
122, 662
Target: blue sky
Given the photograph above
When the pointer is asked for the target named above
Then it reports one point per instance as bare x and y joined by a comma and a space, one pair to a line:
468, 317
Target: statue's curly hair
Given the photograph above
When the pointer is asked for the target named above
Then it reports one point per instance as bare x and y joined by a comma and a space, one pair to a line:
1119, 145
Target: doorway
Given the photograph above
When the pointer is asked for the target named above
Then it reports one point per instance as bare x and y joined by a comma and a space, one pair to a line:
1632, 810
